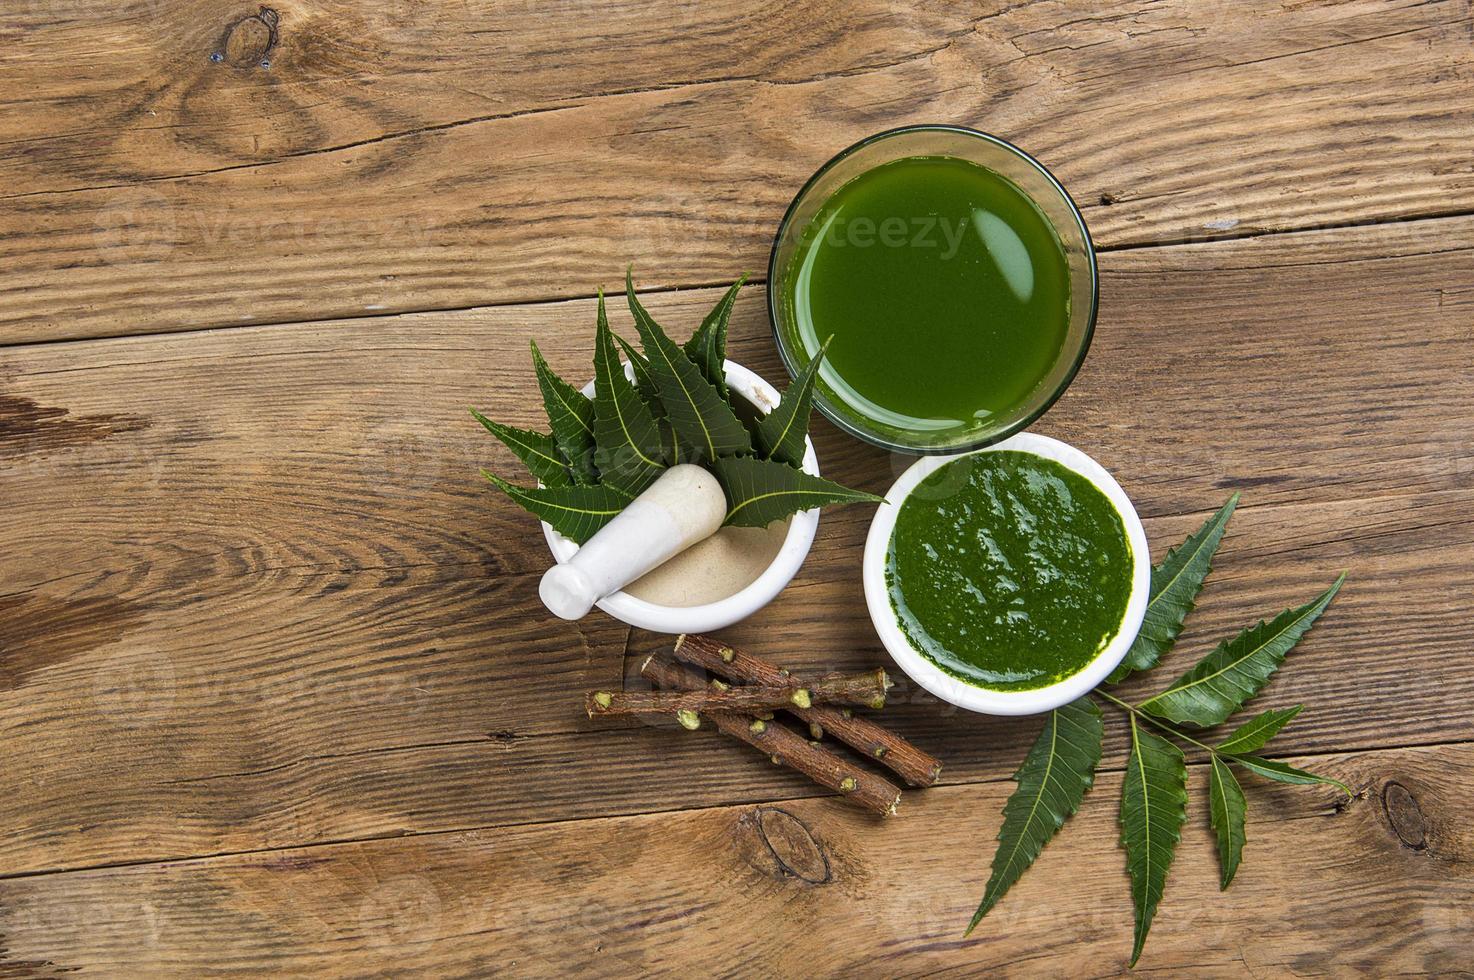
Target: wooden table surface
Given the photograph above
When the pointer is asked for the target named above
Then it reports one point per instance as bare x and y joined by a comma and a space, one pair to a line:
277, 694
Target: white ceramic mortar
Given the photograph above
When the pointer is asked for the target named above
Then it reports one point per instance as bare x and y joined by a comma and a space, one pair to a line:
722, 613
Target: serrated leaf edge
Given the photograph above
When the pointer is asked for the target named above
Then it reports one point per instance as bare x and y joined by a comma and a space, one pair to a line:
1226, 512
1312, 612
710, 338
525, 496
801, 388
1302, 777
510, 434
643, 316
1211, 532
859, 497
1230, 848
540, 364
1273, 720
1145, 914
618, 367
580, 458
1087, 780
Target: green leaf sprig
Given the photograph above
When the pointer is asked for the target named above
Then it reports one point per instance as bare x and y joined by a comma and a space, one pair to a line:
604, 451
1061, 766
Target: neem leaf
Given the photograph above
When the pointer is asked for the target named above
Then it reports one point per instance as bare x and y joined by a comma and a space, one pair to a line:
781, 433
761, 491
641, 368
1153, 807
670, 446
538, 451
1282, 773
1253, 734
1227, 813
1051, 783
697, 411
1233, 673
707, 347
574, 512
627, 440
1176, 583
571, 415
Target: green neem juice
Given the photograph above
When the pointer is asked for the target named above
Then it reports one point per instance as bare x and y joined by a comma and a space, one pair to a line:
946, 292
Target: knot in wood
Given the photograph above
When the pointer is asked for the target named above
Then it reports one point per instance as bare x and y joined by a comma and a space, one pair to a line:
1405, 816
249, 40
791, 844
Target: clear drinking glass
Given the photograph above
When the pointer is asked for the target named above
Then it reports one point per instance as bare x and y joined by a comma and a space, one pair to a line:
1002, 158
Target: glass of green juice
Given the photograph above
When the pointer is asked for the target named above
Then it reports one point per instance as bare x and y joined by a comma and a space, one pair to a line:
953, 279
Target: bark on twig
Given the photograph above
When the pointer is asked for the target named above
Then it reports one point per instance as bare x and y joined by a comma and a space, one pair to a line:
724, 698
916, 767
785, 746
866, 689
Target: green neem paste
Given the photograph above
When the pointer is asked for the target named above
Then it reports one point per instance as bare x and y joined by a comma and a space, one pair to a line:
1008, 570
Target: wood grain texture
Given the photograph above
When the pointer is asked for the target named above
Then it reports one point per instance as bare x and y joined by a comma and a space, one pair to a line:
255, 595
276, 693
173, 164
1376, 886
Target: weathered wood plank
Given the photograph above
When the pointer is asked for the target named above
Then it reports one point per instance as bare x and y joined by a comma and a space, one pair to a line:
490, 777
462, 154
253, 594
344, 73
240, 794
1374, 887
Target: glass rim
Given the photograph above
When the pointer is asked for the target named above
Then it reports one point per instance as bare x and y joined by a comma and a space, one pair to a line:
821, 401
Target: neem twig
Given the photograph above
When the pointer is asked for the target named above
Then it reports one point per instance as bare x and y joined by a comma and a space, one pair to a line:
723, 698
866, 689
886, 747
785, 746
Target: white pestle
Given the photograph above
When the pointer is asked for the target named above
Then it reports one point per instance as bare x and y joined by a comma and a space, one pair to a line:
684, 505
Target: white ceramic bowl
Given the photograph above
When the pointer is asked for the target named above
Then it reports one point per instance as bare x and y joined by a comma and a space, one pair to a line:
715, 615
959, 692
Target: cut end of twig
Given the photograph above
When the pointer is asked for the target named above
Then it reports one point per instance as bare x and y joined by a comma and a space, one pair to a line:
689, 720
717, 685
878, 701
801, 697
727, 654
848, 784
758, 726
879, 752
603, 699
816, 730
847, 712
